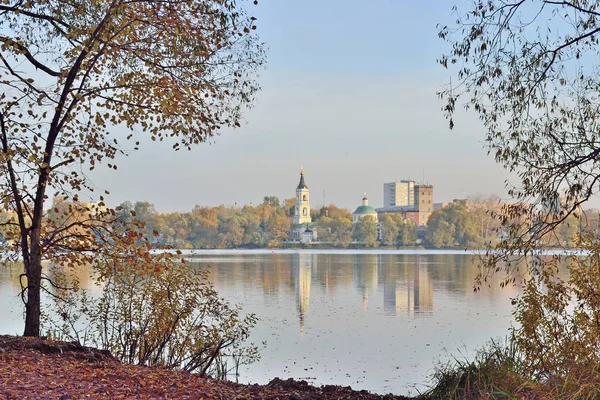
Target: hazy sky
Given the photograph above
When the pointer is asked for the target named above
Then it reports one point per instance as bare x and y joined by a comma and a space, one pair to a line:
350, 92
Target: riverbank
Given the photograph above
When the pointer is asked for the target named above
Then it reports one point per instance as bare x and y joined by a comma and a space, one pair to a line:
36, 368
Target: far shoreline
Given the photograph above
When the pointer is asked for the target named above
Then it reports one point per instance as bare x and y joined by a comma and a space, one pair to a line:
471, 252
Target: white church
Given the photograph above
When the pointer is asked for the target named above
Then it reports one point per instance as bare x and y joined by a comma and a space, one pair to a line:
302, 226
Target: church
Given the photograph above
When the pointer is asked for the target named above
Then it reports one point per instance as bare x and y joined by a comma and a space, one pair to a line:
303, 229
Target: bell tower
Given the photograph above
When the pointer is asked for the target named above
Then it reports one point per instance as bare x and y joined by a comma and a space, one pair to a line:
302, 208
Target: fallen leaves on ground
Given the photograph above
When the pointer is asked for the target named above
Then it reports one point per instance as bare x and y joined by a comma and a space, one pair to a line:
36, 368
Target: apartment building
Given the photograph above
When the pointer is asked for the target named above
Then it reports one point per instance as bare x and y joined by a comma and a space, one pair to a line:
399, 193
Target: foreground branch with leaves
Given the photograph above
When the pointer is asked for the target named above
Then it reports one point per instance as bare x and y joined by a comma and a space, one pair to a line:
73, 74
529, 69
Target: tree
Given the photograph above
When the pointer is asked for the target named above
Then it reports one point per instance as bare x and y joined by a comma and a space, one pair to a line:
451, 226
124, 213
365, 231
289, 205
277, 227
271, 200
315, 214
482, 210
204, 229
341, 232
440, 233
522, 68
530, 71
407, 234
338, 213
71, 72
337, 232
396, 230
391, 224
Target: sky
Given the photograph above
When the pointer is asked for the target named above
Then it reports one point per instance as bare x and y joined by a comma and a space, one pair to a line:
349, 91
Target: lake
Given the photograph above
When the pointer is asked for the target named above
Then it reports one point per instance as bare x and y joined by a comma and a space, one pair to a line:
375, 320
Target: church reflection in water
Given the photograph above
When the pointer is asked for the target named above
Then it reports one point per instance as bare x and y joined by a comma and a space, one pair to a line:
407, 287
302, 265
389, 284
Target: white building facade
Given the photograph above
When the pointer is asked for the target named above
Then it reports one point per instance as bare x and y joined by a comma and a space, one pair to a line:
399, 193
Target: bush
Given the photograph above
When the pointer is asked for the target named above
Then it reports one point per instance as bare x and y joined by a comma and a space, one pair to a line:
559, 325
155, 310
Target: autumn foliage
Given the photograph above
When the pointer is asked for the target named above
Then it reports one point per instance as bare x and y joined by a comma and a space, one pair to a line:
153, 309
529, 71
81, 81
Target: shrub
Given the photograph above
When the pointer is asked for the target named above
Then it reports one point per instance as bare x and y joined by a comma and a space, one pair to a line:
154, 310
559, 325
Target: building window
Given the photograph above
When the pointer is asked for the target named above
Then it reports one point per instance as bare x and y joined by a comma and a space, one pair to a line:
304, 198
304, 211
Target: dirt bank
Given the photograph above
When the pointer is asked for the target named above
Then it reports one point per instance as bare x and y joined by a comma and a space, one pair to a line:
34, 368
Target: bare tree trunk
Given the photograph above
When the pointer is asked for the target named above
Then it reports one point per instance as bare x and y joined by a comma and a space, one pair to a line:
34, 277
33, 305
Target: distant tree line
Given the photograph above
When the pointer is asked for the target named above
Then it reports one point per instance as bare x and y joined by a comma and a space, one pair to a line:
265, 225
470, 224
478, 224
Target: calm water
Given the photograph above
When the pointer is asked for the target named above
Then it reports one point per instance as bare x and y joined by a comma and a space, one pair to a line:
375, 321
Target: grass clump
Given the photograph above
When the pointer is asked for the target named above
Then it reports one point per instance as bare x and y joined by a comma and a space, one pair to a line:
499, 371
494, 373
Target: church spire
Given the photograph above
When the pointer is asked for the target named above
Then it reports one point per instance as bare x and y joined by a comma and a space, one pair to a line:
302, 184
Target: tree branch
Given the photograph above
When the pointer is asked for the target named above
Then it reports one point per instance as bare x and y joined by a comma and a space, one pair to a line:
31, 14
25, 52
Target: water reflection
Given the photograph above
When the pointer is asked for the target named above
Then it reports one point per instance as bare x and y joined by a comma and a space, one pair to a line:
364, 275
407, 282
406, 287
372, 321
302, 265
